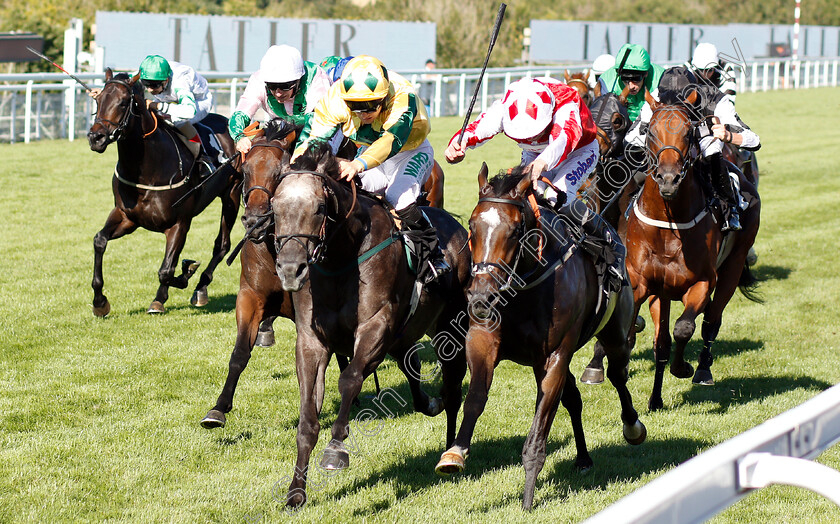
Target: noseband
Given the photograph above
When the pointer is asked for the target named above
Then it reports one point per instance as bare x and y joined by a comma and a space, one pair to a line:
320, 240
120, 127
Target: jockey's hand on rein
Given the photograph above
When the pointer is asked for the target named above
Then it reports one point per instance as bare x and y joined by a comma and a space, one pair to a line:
349, 169
243, 145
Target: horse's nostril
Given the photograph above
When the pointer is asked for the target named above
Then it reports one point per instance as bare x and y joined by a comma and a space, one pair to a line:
301, 268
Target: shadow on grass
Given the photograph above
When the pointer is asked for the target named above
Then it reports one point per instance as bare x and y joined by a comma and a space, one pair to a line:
232, 441
743, 390
764, 273
416, 473
217, 304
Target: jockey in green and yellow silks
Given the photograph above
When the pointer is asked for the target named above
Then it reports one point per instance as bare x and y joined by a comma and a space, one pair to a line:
638, 74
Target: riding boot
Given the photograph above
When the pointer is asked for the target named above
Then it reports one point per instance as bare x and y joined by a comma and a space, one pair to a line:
722, 182
601, 241
431, 259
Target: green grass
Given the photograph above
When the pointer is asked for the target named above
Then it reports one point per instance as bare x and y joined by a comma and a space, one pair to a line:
99, 418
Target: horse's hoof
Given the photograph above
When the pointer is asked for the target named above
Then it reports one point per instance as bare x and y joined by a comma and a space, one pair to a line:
752, 257
703, 377
265, 339
451, 462
189, 267
636, 433
683, 371
592, 376
584, 464
655, 404
199, 298
103, 310
335, 458
640, 324
213, 419
434, 408
156, 307
295, 500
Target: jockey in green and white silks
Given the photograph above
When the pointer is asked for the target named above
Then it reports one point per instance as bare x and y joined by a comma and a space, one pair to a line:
177, 90
285, 87
638, 74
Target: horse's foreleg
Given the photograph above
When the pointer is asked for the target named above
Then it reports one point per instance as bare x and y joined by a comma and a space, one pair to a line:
554, 383
176, 237
230, 209
116, 225
368, 353
660, 310
482, 349
249, 312
695, 300
311, 360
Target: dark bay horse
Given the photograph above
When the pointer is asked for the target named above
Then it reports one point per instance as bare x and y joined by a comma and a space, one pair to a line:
340, 256
548, 313
155, 170
676, 251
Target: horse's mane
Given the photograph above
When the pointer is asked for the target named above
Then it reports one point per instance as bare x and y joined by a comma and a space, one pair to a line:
279, 128
318, 157
505, 181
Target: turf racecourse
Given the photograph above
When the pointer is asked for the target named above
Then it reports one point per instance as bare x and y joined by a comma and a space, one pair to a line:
99, 418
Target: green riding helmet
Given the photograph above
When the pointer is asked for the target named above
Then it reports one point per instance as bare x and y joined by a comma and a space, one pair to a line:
637, 60
155, 67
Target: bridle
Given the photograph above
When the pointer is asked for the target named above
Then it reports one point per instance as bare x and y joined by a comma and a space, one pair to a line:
484, 267
261, 229
685, 160
319, 241
118, 128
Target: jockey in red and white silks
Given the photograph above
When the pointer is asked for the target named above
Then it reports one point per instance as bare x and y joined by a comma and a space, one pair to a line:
548, 120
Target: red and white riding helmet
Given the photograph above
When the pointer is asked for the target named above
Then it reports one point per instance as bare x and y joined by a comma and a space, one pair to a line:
529, 109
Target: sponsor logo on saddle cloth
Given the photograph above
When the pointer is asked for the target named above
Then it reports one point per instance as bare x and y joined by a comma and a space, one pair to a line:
418, 166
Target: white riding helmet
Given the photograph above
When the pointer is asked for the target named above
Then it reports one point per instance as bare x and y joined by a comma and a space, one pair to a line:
529, 108
705, 56
281, 63
602, 63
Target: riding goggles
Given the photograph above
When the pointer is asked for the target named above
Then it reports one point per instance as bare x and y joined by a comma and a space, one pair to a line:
633, 76
364, 106
153, 84
282, 86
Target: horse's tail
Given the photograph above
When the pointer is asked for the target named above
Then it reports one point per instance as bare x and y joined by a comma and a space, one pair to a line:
748, 284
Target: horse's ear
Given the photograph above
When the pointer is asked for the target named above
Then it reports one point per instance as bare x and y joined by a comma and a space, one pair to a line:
624, 94
566, 75
692, 97
654, 105
108, 73
586, 74
133, 80
597, 89
482, 176
524, 185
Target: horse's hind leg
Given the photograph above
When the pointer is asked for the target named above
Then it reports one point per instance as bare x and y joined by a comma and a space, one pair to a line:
249, 312
116, 225
176, 236
409, 364
265, 335
695, 301
230, 208
594, 372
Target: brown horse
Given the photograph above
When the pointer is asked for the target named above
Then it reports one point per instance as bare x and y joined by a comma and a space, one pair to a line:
155, 170
580, 81
551, 312
340, 256
261, 297
676, 251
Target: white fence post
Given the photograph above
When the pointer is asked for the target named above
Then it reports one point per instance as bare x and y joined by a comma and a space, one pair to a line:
27, 119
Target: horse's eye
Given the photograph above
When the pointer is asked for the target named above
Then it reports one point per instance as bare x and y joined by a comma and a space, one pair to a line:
322, 209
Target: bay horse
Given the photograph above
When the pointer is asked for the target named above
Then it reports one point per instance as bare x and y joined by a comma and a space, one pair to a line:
675, 249
579, 81
548, 315
155, 170
339, 254
261, 297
